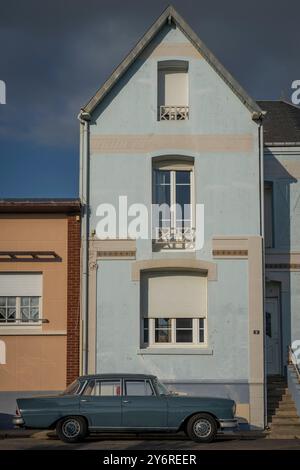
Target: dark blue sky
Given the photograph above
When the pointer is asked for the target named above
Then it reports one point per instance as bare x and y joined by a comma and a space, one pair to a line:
55, 54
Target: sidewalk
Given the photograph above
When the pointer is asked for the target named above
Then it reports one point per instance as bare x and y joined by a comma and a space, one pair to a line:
50, 434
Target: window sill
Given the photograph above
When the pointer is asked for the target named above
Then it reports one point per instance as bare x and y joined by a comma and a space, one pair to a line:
176, 351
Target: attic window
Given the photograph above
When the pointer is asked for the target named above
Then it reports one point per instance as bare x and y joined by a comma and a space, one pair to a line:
173, 92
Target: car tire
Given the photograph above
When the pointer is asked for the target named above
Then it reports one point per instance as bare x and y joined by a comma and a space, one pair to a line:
202, 427
72, 429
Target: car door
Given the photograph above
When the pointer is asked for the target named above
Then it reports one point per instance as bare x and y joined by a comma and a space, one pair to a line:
100, 402
141, 406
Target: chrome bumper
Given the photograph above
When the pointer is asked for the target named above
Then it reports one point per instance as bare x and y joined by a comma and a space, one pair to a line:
228, 424
18, 421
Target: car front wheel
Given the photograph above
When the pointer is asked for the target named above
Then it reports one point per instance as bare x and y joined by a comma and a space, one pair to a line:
72, 429
202, 428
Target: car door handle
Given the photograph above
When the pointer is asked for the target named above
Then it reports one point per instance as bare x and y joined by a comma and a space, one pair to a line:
126, 401
83, 399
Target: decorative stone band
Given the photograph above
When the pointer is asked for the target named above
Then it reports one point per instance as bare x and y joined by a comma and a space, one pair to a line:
284, 266
152, 143
116, 254
230, 253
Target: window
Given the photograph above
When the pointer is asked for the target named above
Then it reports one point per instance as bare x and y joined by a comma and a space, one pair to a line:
19, 309
201, 330
173, 206
73, 388
268, 209
163, 330
146, 330
103, 388
138, 388
173, 101
176, 331
184, 330
20, 298
173, 308
8, 309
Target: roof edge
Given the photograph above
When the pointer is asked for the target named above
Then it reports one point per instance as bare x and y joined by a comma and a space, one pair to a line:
29, 206
170, 14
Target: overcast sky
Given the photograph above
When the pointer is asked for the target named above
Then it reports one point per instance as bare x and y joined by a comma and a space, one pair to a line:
55, 54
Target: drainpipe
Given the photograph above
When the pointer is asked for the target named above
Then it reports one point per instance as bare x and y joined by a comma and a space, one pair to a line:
84, 119
262, 230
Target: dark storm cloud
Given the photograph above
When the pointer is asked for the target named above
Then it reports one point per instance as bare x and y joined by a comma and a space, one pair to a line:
54, 55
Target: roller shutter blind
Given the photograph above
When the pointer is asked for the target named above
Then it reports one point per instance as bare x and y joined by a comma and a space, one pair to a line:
21, 284
174, 295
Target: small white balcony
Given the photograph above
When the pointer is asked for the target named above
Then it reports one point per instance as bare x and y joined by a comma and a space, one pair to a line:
173, 113
174, 238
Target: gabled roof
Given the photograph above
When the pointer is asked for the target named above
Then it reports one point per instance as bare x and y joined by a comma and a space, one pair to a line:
282, 123
171, 15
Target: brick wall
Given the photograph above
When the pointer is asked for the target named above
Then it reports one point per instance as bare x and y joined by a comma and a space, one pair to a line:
73, 323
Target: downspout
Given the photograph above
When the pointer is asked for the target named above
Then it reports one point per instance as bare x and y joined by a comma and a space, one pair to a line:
262, 231
84, 119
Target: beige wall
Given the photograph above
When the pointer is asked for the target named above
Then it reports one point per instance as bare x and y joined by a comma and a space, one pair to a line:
34, 363
36, 356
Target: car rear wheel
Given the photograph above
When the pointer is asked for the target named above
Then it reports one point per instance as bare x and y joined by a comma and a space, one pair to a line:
72, 429
202, 428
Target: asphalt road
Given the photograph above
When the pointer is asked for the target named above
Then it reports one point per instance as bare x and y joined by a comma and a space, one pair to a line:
133, 443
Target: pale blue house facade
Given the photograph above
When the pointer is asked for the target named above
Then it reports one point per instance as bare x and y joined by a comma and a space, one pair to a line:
186, 302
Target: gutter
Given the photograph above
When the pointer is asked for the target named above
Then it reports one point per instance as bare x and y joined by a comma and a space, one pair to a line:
84, 119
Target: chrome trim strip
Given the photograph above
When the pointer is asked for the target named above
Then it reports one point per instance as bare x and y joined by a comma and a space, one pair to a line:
125, 428
228, 423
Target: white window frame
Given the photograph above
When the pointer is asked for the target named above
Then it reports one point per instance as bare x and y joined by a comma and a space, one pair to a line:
174, 166
196, 334
18, 320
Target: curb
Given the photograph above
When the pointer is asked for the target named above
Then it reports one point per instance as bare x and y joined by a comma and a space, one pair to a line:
47, 434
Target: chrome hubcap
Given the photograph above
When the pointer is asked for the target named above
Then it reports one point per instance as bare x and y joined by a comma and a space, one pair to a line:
71, 428
202, 428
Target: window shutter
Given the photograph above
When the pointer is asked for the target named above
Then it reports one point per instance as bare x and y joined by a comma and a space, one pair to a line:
174, 295
21, 284
176, 88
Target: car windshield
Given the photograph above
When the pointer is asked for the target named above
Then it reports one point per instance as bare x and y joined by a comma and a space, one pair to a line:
72, 389
162, 390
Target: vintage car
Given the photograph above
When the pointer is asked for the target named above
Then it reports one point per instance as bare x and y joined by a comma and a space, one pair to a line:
125, 402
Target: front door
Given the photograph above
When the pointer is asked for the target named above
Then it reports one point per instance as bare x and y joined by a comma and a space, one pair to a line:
101, 403
141, 407
273, 336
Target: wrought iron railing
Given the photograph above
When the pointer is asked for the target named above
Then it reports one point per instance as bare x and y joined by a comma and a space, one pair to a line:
292, 360
175, 237
22, 322
174, 113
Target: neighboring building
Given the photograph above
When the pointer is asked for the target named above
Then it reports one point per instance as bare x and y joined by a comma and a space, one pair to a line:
171, 125
39, 296
282, 230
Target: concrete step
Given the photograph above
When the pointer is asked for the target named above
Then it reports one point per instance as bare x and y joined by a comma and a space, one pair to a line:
274, 387
286, 429
285, 421
276, 379
282, 436
278, 393
292, 413
287, 398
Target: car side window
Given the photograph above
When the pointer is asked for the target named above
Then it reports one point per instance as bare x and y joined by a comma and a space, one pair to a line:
103, 388
138, 388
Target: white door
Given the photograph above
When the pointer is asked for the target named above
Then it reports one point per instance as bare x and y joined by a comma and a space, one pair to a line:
272, 336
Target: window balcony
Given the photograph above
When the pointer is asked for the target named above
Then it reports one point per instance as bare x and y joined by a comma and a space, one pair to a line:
175, 238
174, 113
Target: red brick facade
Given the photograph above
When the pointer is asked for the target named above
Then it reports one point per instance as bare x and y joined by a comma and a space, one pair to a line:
73, 324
